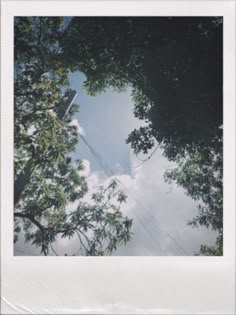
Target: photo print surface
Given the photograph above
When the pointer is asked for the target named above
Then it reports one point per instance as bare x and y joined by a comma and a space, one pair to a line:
118, 136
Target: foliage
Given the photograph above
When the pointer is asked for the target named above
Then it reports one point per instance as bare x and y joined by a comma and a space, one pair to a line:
47, 180
174, 67
201, 175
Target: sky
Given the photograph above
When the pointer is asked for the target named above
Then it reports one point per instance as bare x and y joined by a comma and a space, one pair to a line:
160, 211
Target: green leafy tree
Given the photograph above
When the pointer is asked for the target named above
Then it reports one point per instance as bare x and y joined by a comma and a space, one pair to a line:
174, 67
201, 175
47, 179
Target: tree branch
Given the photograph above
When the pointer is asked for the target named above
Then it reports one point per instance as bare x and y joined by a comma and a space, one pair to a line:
22, 180
52, 248
31, 218
35, 222
85, 236
81, 242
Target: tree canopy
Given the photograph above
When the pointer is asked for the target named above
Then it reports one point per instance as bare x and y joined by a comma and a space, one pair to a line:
47, 179
174, 66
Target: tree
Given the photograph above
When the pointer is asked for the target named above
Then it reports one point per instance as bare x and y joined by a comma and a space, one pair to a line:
47, 179
201, 175
174, 67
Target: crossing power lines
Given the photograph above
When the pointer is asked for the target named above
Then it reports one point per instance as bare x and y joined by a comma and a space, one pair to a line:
156, 231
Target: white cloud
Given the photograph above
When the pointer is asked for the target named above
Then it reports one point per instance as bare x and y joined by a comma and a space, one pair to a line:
159, 211
164, 210
119, 169
75, 123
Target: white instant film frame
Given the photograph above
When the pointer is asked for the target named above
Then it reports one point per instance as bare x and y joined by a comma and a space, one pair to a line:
116, 285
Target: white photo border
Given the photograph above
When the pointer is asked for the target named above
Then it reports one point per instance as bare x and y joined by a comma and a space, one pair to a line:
117, 285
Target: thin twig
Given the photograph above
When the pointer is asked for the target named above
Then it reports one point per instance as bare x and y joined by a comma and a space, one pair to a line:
148, 158
81, 242
54, 250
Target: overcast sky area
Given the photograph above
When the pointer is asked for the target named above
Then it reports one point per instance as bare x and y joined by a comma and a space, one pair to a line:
160, 211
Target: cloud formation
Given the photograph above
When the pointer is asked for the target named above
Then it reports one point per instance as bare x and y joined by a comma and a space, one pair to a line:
160, 211
80, 129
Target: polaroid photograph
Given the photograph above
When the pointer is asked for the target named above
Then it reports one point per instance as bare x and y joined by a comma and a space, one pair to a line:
118, 142
145, 94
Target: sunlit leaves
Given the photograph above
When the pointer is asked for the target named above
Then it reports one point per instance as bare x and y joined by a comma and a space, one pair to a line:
201, 175
102, 225
47, 179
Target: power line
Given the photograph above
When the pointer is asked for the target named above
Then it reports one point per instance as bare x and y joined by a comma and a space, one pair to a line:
109, 172
156, 224
161, 227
